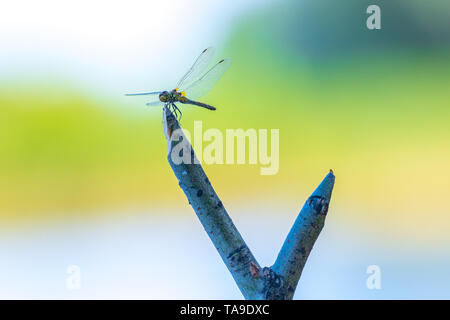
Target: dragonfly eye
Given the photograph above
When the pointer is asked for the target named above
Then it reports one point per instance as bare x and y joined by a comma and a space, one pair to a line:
164, 96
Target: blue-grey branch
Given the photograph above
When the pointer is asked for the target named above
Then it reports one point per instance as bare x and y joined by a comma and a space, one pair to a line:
212, 214
301, 239
276, 282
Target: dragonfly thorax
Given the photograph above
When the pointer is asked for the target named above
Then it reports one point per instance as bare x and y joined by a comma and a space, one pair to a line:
172, 96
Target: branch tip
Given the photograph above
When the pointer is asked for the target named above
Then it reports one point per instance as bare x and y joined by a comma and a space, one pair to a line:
325, 187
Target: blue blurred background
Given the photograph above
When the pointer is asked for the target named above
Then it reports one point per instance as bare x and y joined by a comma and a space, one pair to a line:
84, 179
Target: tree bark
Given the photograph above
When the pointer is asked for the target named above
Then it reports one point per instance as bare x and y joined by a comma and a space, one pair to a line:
276, 282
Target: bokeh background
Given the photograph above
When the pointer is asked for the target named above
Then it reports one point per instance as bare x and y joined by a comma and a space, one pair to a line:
84, 179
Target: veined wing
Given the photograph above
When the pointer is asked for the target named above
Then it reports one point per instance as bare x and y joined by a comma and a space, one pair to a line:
144, 93
197, 69
208, 80
153, 100
156, 103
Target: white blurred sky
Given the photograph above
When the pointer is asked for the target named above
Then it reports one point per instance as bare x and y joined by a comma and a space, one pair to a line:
112, 45
140, 256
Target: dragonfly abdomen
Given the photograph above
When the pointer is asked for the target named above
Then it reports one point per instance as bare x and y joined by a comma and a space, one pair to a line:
195, 103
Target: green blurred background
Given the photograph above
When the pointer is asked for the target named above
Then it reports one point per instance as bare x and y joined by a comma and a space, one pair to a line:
373, 105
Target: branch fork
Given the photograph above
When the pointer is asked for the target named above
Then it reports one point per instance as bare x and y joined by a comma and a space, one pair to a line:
277, 282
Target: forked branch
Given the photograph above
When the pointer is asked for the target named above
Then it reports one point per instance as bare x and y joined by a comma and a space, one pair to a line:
276, 282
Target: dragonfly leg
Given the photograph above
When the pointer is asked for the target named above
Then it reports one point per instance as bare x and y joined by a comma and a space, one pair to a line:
174, 110
171, 109
177, 110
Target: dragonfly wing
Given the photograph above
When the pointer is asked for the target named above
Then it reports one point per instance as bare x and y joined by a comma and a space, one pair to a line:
144, 93
208, 80
156, 103
153, 100
197, 69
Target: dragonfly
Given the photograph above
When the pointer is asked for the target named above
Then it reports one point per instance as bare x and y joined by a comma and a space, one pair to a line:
195, 83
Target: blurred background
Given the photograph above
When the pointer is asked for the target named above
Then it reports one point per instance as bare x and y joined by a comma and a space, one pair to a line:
84, 178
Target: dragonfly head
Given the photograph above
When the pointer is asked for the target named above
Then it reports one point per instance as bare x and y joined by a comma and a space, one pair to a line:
164, 96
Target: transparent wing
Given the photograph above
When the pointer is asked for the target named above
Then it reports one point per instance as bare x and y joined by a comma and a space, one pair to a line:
144, 93
157, 103
153, 100
207, 81
197, 69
